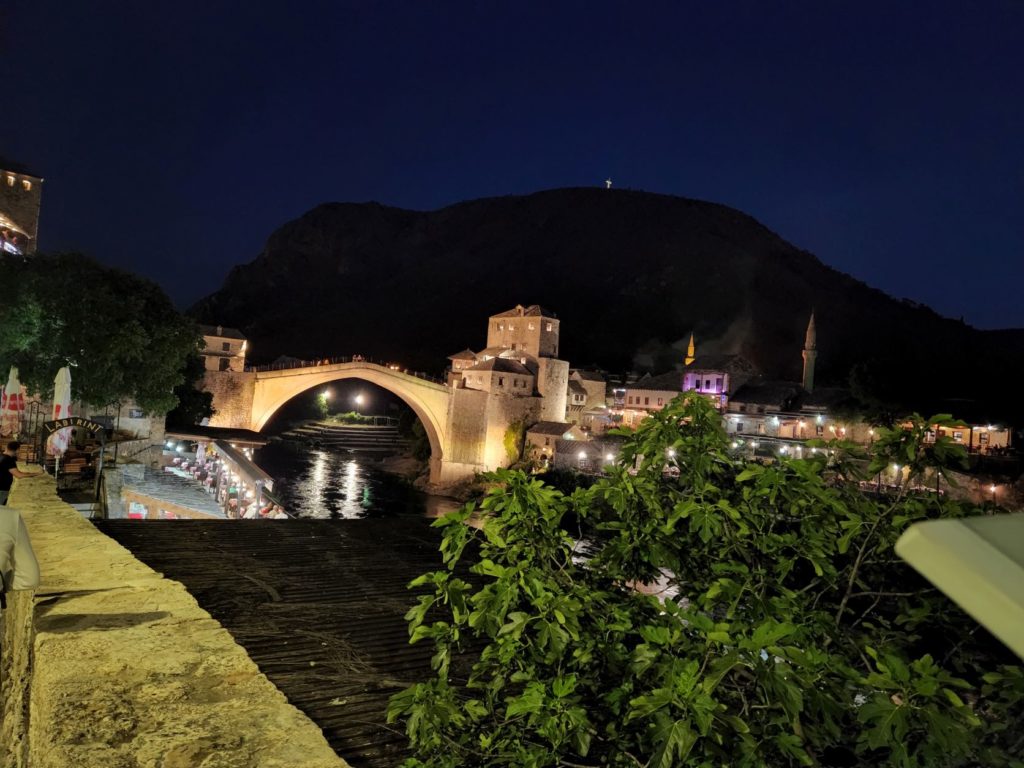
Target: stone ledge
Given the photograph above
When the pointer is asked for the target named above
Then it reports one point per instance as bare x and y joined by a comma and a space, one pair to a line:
128, 670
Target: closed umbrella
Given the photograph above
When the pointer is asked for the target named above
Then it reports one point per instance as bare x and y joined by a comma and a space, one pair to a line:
58, 441
12, 404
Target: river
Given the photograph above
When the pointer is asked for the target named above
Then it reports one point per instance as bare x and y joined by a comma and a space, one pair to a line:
314, 483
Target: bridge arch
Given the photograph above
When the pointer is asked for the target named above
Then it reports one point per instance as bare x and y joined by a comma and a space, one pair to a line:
428, 399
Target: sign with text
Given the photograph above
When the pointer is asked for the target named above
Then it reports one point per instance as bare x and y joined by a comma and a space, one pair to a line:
49, 427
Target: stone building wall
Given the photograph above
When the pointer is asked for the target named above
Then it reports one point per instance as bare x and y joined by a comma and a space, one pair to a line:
21, 205
552, 384
232, 397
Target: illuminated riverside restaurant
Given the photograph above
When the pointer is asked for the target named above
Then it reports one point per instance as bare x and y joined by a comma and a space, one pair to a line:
207, 473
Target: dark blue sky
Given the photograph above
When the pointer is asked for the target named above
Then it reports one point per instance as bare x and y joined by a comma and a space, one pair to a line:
174, 137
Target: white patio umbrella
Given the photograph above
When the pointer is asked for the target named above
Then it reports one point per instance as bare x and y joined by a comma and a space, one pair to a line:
58, 441
12, 404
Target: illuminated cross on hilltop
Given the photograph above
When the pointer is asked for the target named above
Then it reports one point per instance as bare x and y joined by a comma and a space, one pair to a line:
607, 183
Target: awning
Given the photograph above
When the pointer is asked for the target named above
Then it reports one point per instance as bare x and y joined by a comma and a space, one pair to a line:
244, 466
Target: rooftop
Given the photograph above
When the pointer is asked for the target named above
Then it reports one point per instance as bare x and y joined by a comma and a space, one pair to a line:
777, 393
221, 332
534, 310
501, 365
466, 354
558, 428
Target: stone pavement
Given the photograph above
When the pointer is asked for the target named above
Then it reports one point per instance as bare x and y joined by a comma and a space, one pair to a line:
127, 671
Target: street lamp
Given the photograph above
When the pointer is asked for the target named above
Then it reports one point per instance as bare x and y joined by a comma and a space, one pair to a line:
992, 488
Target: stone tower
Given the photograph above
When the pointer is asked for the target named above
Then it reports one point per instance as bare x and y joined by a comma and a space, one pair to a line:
810, 354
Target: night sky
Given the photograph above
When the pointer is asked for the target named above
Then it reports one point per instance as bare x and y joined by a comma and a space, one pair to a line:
174, 137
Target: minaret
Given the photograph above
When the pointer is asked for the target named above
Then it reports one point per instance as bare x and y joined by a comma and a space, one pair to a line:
690, 352
810, 353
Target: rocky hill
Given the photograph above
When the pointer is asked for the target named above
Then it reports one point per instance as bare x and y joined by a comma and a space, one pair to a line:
630, 274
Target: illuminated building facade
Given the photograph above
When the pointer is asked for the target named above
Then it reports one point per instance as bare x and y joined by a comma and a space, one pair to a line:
20, 199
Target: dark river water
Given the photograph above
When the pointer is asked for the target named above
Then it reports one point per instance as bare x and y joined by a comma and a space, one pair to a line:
333, 485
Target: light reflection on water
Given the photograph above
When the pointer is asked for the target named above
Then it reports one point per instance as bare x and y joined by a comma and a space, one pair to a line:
329, 485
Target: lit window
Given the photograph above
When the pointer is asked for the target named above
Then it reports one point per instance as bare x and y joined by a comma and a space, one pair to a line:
511, 327
549, 327
531, 326
10, 181
26, 184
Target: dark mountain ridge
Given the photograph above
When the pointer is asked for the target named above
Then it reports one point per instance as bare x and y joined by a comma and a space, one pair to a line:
629, 273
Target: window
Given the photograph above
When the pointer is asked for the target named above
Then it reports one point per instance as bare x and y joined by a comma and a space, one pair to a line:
647, 401
501, 326
548, 327
819, 430
501, 381
26, 184
958, 437
660, 401
511, 327
225, 346
10, 181
584, 461
224, 363
136, 413
531, 326
707, 384
739, 426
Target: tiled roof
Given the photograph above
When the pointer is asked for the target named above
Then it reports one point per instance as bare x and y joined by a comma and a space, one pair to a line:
534, 310
781, 394
501, 365
466, 354
731, 364
558, 428
173, 489
590, 375
825, 397
221, 332
14, 167
665, 382
576, 388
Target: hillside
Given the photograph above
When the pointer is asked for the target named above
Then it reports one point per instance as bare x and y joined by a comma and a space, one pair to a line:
630, 274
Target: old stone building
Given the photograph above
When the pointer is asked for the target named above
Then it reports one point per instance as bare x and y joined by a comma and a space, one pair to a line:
225, 348
20, 199
525, 341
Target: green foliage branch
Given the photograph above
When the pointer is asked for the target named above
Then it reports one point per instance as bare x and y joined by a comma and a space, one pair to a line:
718, 613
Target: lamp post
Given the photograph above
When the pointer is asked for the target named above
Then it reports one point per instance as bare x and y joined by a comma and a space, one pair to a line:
992, 488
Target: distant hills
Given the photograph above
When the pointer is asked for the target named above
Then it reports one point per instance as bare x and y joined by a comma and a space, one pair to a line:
630, 274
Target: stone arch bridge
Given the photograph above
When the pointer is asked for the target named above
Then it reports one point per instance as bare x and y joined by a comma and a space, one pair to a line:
465, 427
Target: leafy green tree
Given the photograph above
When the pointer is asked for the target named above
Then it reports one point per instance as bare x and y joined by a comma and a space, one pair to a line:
727, 613
194, 404
119, 333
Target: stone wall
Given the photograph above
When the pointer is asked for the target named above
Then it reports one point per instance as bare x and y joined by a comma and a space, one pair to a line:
232, 397
21, 205
552, 383
114, 666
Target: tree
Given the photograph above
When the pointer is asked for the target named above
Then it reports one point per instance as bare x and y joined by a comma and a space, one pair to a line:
783, 630
194, 404
120, 333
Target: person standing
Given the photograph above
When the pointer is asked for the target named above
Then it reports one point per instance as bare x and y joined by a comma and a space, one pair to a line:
18, 566
9, 470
